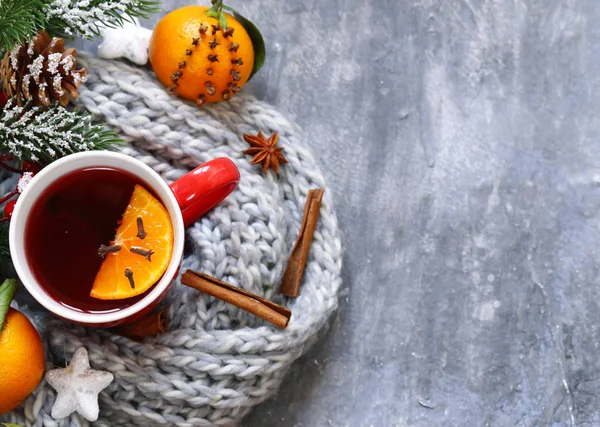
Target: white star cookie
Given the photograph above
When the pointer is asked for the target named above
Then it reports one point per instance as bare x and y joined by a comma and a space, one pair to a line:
78, 387
129, 41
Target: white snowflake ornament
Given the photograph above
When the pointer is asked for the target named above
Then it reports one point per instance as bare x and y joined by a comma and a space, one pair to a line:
78, 387
129, 41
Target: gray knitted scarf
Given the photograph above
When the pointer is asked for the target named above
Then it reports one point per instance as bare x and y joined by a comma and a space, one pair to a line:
217, 361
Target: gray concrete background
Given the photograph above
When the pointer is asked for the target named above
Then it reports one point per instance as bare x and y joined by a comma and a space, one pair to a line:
461, 142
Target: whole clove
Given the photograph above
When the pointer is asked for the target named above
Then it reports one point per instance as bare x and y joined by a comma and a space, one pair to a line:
210, 89
140, 226
175, 76
104, 250
146, 253
129, 275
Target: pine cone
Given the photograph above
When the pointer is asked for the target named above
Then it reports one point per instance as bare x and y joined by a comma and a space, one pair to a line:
42, 70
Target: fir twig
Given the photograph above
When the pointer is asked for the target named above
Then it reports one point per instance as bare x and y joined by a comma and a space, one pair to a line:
19, 21
47, 134
85, 18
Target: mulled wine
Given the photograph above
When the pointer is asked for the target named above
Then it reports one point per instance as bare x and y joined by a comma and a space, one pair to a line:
74, 217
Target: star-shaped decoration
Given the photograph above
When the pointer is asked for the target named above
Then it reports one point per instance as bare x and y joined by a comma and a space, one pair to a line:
78, 387
265, 151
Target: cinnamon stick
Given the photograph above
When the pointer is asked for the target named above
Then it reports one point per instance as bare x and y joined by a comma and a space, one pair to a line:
265, 309
292, 278
148, 326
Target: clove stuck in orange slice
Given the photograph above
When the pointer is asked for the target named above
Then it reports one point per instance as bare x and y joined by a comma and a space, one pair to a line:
141, 251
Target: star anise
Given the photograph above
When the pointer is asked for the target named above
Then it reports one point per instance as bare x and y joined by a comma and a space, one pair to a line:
265, 151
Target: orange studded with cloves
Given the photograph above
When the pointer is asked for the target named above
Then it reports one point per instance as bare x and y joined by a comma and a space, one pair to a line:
197, 59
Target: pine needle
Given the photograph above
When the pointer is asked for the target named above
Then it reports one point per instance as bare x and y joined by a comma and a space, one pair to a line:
19, 21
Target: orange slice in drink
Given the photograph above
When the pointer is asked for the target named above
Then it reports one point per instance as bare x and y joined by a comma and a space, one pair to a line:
144, 240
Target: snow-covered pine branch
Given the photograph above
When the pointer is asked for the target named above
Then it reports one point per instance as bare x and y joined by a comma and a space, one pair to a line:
46, 134
85, 18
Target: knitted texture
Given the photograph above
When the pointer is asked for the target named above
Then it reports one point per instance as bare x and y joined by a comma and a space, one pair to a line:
217, 361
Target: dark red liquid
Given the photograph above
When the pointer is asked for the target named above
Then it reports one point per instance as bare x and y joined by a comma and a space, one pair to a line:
65, 228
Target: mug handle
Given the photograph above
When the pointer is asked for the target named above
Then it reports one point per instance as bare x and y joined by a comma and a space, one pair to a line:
202, 189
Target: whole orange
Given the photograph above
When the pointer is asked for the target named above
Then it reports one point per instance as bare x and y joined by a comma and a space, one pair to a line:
197, 59
21, 360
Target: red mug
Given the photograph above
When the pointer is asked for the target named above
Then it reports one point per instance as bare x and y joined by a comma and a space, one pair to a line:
186, 200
